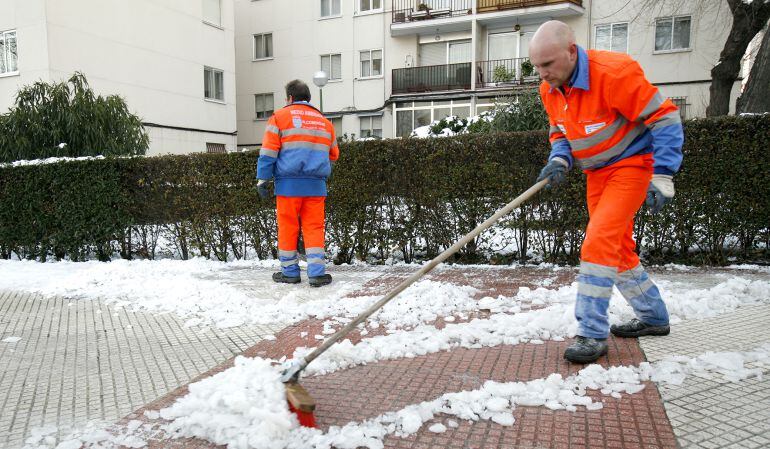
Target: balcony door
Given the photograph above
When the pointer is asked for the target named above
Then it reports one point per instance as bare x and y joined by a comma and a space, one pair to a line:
504, 56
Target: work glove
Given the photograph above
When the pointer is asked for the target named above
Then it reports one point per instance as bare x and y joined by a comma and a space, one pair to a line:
262, 188
660, 192
555, 171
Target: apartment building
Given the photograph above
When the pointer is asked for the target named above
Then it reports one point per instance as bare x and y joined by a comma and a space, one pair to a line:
398, 64
173, 61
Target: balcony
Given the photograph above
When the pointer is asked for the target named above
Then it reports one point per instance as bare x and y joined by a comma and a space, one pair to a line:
494, 74
432, 78
444, 16
499, 5
505, 73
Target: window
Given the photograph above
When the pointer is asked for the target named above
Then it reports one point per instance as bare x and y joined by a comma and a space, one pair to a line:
332, 65
612, 37
371, 63
263, 46
369, 5
672, 34
330, 8
420, 113
213, 84
681, 103
337, 123
215, 147
9, 58
371, 126
263, 105
212, 12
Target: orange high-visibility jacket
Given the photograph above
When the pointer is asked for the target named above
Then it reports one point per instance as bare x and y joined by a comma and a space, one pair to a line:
608, 112
297, 149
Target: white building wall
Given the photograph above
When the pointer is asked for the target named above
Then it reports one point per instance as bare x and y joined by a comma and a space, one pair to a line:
150, 52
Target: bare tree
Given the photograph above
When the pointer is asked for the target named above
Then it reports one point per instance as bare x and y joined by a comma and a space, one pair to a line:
756, 95
748, 20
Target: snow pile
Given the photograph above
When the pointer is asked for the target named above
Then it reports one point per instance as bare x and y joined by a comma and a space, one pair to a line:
244, 406
97, 436
217, 412
688, 303
50, 160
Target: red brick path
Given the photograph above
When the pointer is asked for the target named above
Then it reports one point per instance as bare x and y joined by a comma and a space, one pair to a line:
634, 421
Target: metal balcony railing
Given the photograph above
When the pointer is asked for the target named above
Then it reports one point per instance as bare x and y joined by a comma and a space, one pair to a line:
496, 5
432, 78
504, 72
416, 10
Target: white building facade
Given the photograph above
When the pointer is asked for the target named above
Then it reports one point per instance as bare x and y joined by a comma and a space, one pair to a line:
173, 61
395, 65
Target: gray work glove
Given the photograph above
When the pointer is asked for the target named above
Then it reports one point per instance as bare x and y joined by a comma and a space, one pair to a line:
263, 188
555, 171
660, 192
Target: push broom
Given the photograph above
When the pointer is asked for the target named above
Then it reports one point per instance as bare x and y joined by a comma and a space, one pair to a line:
300, 401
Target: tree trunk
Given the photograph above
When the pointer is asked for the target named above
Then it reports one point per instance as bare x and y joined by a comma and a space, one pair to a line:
756, 97
748, 20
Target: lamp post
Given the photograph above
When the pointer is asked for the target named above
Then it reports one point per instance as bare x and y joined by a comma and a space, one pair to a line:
320, 78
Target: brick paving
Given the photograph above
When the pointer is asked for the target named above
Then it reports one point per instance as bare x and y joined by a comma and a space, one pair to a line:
702, 414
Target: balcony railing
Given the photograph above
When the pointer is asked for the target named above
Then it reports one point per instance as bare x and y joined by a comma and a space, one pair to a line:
505, 72
415, 10
496, 5
432, 78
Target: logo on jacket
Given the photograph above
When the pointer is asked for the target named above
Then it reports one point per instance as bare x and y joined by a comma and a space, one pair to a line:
297, 121
590, 129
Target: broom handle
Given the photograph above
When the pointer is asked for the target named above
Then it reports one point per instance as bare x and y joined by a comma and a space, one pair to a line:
425, 269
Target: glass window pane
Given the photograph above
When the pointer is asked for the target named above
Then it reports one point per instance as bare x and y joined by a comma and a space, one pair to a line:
620, 37
365, 55
603, 37
459, 52
365, 126
681, 32
2, 53
337, 66
407, 104
211, 11
663, 34
403, 123
421, 103
259, 101
440, 113
336, 11
375, 4
258, 46
325, 8
220, 85
377, 122
13, 57
326, 65
377, 67
268, 45
269, 104
501, 46
462, 112
365, 68
365, 5
422, 117
207, 83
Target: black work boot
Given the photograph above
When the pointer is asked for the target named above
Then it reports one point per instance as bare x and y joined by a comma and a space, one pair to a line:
320, 281
586, 349
636, 328
283, 279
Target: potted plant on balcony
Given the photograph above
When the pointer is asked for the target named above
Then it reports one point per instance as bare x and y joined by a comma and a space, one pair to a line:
527, 69
501, 75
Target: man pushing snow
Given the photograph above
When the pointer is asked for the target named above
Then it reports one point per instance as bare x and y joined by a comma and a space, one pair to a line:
627, 138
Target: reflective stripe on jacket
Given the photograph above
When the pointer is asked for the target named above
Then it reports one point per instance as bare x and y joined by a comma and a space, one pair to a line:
608, 112
297, 149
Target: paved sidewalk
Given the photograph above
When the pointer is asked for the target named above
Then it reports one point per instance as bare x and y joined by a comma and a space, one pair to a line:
81, 361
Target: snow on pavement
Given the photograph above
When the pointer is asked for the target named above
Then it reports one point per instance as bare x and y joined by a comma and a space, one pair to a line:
245, 407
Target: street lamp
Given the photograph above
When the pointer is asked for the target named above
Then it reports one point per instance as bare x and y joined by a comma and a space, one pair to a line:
320, 78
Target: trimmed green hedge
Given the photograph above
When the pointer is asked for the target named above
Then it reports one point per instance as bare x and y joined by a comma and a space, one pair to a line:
402, 198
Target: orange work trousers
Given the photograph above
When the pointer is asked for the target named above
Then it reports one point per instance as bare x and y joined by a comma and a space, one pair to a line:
309, 211
614, 195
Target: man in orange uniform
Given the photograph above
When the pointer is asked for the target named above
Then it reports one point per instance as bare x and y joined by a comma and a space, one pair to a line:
606, 117
297, 150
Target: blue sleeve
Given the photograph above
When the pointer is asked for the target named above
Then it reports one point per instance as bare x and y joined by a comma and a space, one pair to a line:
560, 148
667, 144
266, 164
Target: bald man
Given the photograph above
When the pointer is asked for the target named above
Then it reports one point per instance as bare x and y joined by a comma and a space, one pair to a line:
627, 138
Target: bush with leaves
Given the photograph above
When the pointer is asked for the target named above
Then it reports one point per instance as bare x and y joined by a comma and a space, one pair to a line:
68, 119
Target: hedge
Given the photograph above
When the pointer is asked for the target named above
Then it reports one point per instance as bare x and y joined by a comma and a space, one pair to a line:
401, 198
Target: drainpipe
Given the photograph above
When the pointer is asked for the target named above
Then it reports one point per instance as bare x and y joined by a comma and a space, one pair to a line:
474, 43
